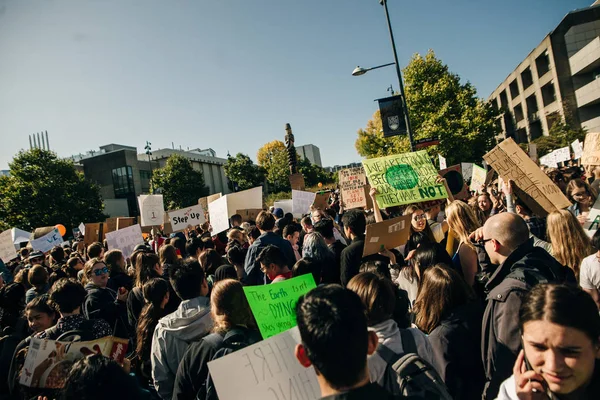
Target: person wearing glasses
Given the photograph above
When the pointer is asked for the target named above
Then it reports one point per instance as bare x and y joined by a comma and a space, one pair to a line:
102, 302
505, 238
583, 198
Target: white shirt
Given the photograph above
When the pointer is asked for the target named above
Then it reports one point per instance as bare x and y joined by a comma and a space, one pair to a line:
589, 275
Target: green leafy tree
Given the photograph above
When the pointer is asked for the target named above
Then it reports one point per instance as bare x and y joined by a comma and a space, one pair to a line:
43, 190
562, 134
439, 105
180, 184
273, 158
313, 174
242, 172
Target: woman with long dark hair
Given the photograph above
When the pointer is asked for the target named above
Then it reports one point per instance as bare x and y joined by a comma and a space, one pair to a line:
147, 267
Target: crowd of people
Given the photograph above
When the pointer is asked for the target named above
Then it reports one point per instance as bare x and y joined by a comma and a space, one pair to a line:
490, 299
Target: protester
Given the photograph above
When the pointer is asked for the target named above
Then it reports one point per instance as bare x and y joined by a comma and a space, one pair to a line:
485, 202
95, 250
41, 314
316, 250
462, 221
446, 311
291, 233
420, 232
336, 342
118, 278
12, 303
274, 264
190, 322
38, 279
73, 266
560, 327
236, 256
210, 260
332, 272
147, 266
589, 275
253, 234
237, 236
570, 244
583, 198
225, 271
233, 325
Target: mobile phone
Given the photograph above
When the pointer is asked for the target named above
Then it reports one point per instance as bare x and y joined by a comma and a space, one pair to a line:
530, 368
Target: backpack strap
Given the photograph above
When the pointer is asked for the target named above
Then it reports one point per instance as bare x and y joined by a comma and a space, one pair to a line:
214, 339
408, 342
235, 335
387, 354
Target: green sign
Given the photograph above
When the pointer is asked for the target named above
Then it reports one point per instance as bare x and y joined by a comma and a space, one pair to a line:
274, 305
404, 179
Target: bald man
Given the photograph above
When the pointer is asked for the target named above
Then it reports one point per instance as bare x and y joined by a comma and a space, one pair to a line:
521, 266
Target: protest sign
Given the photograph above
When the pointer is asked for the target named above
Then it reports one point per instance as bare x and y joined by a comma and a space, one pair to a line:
531, 185
456, 183
110, 225
404, 179
265, 370
251, 198
213, 197
352, 187
125, 239
562, 155
219, 219
593, 222
591, 149
82, 228
93, 233
152, 209
47, 242
203, 202
442, 162
7, 247
297, 181
181, 219
477, 178
124, 222
250, 214
301, 201
467, 171
577, 149
533, 151
321, 201
274, 305
489, 178
387, 235
286, 205
48, 362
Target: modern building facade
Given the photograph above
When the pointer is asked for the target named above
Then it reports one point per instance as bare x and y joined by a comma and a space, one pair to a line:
311, 153
337, 168
558, 78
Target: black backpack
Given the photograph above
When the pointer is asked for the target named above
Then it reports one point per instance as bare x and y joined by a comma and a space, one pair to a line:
407, 374
234, 340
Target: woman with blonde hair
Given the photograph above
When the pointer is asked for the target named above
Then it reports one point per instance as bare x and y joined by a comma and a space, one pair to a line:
462, 221
570, 244
234, 328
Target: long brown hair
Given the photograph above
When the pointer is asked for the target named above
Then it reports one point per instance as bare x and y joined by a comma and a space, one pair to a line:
229, 307
579, 184
168, 254
570, 244
377, 294
442, 290
144, 268
410, 210
154, 291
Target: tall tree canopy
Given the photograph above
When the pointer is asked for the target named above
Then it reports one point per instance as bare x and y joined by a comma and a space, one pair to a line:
43, 190
439, 105
243, 173
180, 184
272, 157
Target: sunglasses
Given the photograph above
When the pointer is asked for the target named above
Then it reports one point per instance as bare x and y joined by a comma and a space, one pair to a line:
101, 271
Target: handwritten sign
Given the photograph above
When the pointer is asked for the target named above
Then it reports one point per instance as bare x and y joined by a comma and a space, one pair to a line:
591, 149
152, 209
562, 155
577, 149
532, 186
301, 201
274, 305
181, 219
477, 178
467, 170
442, 162
593, 222
219, 219
456, 183
286, 205
404, 179
265, 370
7, 248
387, 235
352, 187
47, 242
321, 201
125, 239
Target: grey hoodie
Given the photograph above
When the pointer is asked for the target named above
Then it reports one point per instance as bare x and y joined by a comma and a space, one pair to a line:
172, 336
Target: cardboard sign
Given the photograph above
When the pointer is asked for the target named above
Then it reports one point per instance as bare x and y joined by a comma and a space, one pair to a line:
125, 239
219, 219
152, 209
274, 305
213, 197
266, 370
591, 149
442, 162
250, 214
456, 183
467, 171
297, 182
404, 179
301, 201
577, 149
533, 151
47, 242
93, 233
7, 247
286, 205
203, 202
477, 178
48, 362
489, 178
110, 225
352, 187
387, 234
532, 186
321, 201
251, 198
124, 222
562, 155
593, 222
181, 219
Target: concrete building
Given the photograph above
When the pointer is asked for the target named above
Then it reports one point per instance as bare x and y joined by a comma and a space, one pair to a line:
311, 153
123, 174
559, 76
336, 168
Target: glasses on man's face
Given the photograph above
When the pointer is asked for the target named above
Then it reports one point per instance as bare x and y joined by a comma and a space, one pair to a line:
101, 271
480, 243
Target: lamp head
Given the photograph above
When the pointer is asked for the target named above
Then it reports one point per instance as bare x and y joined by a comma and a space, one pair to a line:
358, 71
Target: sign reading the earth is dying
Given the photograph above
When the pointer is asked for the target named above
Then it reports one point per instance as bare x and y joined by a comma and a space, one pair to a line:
404, 179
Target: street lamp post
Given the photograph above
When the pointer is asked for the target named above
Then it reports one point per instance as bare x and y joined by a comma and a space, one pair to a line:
149, 153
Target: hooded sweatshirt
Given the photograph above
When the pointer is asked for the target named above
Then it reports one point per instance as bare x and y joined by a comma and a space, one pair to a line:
172, 336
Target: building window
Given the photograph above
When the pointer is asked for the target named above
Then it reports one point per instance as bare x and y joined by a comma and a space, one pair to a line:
503, 100
542, 64
526, 78
514, 89
145, 175
548, 94
123, 181
519, 116
532, 108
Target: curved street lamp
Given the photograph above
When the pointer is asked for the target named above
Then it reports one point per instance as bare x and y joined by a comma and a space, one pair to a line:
358, 71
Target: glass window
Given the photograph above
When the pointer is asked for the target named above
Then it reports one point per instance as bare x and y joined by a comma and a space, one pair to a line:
123, 181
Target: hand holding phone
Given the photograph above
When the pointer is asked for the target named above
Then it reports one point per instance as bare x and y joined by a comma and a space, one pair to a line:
528, 383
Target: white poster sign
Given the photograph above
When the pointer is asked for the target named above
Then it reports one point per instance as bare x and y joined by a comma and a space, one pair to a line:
442, 162
152, 209
477, 178
467, 171
219, 218
82, 228
125, 239
47, 242
266, 370
301, 201
561, 155
286, 205
577, 149
7, 248
244, 200
181, 219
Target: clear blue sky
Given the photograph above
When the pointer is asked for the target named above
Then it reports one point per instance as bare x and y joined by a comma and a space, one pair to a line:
228, 74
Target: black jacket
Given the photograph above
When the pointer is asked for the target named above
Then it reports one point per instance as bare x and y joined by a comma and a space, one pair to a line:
332, 273
118, 280
370, 391
351, 259
102, 303
455, 345
501, 340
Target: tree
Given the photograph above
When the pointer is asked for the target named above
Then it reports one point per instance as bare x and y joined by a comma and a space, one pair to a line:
273, 158
180, 185
313, 174
243, 172
43, 190
439, 105
562, 134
